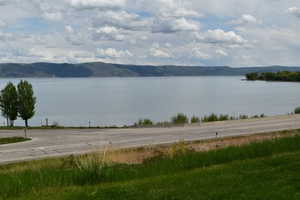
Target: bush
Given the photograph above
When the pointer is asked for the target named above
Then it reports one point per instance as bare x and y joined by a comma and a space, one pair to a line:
211, 118
180, 119
297, 111
195, 120
145, 122
244, 117
223, 118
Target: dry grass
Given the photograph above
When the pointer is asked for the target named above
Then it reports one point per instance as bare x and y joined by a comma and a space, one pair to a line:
138, 155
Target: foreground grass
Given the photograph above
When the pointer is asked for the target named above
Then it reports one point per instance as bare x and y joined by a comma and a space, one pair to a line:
264, 170
11, 140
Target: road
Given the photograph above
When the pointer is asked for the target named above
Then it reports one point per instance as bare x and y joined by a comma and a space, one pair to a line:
50, 143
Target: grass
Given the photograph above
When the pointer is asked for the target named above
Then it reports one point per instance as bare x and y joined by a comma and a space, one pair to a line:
262, 170
11, 140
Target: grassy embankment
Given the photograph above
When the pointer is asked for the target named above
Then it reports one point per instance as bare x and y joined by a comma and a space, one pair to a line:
262, 170
11, 140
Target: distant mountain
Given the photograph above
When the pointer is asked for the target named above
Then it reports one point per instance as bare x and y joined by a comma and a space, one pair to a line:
99, 69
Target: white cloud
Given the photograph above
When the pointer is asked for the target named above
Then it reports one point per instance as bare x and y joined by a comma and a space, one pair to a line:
108, 33
2, 24
69, 29
200, 54
169, 8
121, 19
102, 4
221, 52
246, 19
113, 53
181, 12
157, 51
219, 36
56, 16
174, 25
294, 11
5, 36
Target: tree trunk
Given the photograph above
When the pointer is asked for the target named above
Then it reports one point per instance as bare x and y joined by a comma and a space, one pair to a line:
7, 122
26, 123
12, 123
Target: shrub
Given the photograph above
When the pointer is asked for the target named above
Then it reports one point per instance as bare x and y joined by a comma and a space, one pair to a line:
223, 118
180, 119
211, 118
232, 118
244, 117
145, 122
297, 110
195, 120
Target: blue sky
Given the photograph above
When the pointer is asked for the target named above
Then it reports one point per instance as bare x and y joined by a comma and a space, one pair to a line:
161, 32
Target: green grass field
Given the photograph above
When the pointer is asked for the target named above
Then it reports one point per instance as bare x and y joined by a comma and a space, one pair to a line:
263, 170
11, 140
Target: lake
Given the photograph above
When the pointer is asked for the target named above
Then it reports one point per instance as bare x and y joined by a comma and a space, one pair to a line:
123, 101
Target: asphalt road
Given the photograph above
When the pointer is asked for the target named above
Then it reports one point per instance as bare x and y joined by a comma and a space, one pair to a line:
50, 143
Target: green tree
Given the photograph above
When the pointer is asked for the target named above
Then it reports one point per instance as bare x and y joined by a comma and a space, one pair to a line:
180, 119
145, 122
27, 101
195, 120
297, 110
9, 103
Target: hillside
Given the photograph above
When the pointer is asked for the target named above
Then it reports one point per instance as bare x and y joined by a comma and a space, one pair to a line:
99, 69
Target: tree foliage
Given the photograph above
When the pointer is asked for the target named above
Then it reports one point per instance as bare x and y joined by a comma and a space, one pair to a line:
180, 119
277, 76
9, 103
27, 101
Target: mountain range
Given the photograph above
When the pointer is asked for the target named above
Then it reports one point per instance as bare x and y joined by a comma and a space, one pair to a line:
100, 69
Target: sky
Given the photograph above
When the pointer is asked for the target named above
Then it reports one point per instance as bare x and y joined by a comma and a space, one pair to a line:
235, 33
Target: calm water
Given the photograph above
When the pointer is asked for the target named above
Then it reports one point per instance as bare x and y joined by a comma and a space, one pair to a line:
120, 101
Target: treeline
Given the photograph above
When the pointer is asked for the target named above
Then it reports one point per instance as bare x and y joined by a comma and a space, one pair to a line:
17, 101
274, 76
181, 119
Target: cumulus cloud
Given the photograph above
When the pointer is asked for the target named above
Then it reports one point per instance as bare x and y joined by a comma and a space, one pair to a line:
108, 33
219, 36
160, 52
198, 53
121, 19
221, 52
55, 16
92, 4
169, 8
174, 25
181, 12
2, 24
246, 19
69, 29
113, 53
5, 36
294, 11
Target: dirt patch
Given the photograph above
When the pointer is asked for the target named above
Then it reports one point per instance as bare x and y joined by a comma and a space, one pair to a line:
138, 155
